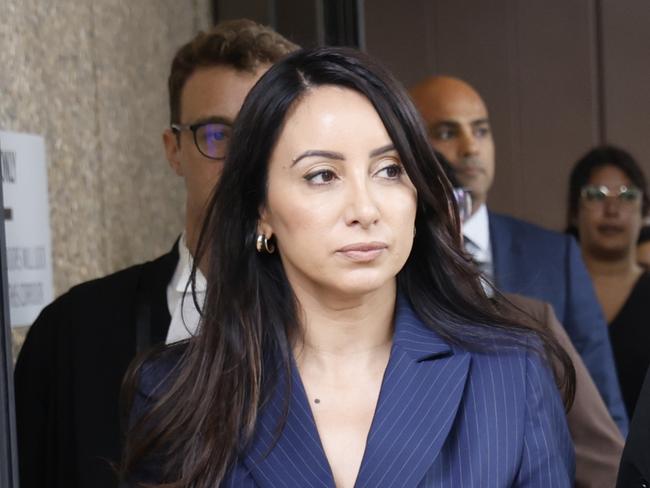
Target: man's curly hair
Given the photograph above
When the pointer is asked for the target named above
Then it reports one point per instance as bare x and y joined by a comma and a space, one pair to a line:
241, 44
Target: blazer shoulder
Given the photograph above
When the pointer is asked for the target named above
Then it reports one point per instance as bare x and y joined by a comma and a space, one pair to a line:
119, 280
100, 300
151, 379
507, 221
157, 372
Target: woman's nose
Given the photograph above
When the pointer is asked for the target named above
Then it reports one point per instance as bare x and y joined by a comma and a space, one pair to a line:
361, 205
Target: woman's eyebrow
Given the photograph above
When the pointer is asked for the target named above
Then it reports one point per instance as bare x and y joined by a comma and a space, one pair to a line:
339, 156
382, 150
320, 153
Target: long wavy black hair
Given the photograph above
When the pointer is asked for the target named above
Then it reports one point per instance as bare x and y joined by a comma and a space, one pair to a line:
208, 412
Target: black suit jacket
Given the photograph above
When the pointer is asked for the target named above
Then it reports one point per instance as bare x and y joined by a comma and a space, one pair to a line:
69, 372
635, 463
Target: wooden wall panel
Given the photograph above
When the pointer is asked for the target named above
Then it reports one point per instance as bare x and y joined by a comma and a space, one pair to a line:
557, 102
534, 62
626, 76
401, 37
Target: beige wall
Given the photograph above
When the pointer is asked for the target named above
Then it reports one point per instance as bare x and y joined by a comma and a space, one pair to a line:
90, 76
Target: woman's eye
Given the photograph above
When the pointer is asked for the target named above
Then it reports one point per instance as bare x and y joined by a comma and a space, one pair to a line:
392, 171
321, 177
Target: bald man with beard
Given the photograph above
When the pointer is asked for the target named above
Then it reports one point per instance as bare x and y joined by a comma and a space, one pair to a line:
517, 256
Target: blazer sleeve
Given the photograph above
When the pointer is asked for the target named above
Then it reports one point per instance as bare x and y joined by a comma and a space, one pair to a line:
548, 457
586, 326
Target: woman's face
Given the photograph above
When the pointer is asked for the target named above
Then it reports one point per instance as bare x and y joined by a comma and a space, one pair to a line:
339, 203
609, 226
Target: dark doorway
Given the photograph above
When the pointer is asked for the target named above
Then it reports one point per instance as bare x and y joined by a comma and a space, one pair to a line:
8, 452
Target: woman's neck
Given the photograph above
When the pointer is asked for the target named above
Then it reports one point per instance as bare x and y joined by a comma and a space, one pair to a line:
626, 265
336, 329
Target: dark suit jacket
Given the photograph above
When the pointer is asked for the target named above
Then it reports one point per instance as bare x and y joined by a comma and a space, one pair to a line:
445, 417
546, 265
70, 369
635, 464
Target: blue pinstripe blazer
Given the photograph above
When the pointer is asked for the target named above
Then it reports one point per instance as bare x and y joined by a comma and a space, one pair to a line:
446, 417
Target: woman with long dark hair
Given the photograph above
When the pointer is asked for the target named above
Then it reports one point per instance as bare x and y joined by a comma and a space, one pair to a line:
346, 339
608, 201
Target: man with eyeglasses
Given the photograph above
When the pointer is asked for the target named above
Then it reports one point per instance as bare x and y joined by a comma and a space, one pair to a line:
517, 256
70, 369
207, 87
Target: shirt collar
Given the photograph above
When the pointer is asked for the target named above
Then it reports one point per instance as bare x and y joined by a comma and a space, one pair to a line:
184, 270
477, 229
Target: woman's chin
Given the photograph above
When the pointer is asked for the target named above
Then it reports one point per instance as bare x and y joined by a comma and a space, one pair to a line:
358, 286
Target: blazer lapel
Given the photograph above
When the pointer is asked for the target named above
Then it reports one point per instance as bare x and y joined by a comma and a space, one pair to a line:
504, 254
293, 456
151, 314
422, 389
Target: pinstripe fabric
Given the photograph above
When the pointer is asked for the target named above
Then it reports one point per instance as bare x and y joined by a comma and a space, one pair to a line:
445, 417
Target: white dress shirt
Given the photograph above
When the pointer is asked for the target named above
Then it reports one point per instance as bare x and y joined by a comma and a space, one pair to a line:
184, 313
476, 233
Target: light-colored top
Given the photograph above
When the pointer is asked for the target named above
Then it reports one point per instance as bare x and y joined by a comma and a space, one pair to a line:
476, 230
184, 313
476, 236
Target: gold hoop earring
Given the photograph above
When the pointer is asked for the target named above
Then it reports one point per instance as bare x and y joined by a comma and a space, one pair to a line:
263, 243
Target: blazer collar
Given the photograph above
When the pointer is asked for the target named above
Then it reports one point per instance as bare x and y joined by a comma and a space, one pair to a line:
150, 301
422, 388
505, 253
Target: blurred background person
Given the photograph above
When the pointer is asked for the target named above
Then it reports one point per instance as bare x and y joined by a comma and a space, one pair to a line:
643, 247
518, 257
69, 371
607, 203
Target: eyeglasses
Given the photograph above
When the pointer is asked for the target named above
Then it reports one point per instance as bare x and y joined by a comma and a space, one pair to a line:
595, 195
210, 138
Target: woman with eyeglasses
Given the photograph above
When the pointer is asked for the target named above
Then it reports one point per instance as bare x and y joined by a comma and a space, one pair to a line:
607, 202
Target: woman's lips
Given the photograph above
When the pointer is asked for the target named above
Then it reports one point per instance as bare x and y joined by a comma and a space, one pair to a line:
363, 251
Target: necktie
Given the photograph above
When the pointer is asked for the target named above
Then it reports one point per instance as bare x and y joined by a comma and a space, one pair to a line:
482, 265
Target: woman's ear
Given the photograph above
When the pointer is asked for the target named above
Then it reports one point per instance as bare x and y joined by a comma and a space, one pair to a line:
263, 224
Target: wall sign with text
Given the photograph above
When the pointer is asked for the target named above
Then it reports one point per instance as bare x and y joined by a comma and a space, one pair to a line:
27, 225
